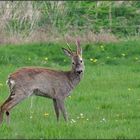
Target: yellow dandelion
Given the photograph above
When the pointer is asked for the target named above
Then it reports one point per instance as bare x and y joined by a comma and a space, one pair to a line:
81, 115
46, 58
104, 119
73, 121
102, 47
46, 114
123, 54
69, 96
95, 60
129, 89
136, 58
91, 59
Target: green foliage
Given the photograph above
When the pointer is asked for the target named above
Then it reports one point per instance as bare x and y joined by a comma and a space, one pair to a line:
119, 18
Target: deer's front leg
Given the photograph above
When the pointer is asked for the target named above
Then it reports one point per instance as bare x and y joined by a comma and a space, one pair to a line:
56, 108
60, 103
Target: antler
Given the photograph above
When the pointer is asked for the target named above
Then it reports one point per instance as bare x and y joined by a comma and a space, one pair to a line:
78, 46
68, 45
78, 42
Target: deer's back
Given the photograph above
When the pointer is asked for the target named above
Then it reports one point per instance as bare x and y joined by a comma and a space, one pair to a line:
42, 80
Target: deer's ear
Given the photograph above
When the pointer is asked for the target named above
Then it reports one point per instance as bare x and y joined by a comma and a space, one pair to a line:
67, 52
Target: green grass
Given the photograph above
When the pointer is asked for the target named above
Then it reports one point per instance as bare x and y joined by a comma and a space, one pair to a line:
108, 96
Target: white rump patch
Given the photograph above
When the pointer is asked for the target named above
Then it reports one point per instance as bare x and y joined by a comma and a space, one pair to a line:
11, 83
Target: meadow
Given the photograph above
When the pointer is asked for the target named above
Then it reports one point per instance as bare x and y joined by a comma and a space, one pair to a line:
105, 105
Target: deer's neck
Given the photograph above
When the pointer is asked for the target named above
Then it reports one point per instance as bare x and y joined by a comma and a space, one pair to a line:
75, 78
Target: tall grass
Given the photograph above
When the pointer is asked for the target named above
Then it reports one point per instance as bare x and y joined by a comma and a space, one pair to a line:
50, 20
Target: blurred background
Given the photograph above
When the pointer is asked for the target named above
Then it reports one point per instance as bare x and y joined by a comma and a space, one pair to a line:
43, 21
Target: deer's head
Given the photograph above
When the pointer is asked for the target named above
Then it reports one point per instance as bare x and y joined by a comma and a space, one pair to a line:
76, 58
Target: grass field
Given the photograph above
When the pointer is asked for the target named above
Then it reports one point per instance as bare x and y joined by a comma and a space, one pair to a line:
106, 104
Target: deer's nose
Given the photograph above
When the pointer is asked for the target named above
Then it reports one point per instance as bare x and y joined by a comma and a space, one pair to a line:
80, 71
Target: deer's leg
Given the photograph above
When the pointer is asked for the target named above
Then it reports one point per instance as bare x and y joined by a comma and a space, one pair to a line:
12, 100
56, 108
8, 117
1, 109
62, 108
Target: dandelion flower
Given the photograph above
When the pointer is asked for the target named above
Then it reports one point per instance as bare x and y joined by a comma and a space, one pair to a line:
91, 59
102, 47
87, 119
129, 89
69, 96
81, 114
46, 58
123, 54
103, 120
95, 60
46, 114
73, 121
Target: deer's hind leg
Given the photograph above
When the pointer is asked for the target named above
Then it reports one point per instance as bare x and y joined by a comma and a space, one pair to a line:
2, 111
12, 100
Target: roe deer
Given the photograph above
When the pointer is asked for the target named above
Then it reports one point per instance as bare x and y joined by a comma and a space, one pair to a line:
44, 82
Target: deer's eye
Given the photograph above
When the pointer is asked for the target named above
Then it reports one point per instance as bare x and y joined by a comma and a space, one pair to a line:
81, 61
73, 63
